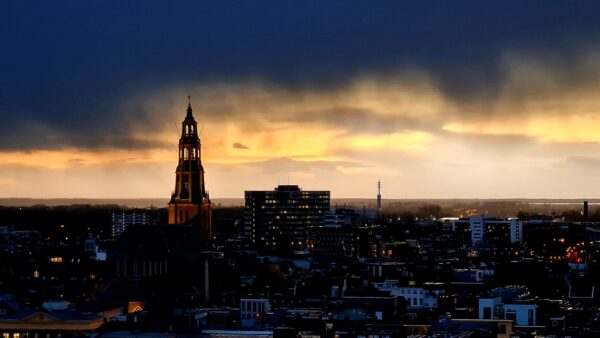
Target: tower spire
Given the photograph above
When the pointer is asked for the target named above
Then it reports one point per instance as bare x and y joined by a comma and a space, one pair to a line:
379, 196
190, 202
189, 108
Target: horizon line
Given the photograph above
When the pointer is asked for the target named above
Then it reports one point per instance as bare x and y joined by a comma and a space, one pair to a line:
374, 198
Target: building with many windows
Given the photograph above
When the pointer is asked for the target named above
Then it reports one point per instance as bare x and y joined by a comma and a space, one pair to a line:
122, 220
281, 219
490, 231
341, 218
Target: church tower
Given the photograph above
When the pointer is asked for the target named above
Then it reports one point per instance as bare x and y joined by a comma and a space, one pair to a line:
190, 203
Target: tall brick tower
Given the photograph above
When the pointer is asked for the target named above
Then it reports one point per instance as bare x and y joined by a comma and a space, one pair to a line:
190, 203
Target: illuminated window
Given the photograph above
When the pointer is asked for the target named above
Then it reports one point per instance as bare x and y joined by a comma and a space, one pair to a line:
56, 259
36, 274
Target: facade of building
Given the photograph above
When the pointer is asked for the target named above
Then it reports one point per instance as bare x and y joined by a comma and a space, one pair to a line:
350, 216
253, 312
190, 202
139, 252
341, 218
122, 220
490, 230
327, 241
366, 215
47, 322
282, 218
520, 313
417, 297
453, 327
379, 308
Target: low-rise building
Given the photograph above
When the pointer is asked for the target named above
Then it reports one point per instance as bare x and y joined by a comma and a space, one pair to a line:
253, 312
417, 297
520, 313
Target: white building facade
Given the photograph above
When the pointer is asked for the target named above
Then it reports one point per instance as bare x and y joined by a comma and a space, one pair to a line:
521, 313
416, 297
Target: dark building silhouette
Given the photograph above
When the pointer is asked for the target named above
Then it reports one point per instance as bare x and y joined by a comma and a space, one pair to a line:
162, 256
140, 252
190, 202
282, 218
173, 252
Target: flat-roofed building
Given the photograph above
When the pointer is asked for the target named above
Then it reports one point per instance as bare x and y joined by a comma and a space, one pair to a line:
489, 230
281, 219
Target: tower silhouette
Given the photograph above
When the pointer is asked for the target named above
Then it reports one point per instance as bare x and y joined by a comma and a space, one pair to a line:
190, 203
379, 196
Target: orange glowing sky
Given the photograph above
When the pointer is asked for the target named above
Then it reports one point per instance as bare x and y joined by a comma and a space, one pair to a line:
404, 132
434, 102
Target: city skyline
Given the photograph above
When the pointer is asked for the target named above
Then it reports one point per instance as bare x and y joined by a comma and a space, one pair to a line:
435, 100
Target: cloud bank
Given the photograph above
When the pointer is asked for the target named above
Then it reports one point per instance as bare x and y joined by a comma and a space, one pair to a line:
436, 100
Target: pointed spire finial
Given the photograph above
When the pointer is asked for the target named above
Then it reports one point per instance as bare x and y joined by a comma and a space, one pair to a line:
189, 109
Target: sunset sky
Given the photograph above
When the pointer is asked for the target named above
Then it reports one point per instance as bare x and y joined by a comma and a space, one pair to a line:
437, 99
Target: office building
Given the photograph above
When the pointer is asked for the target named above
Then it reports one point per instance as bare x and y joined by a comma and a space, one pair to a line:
281, 219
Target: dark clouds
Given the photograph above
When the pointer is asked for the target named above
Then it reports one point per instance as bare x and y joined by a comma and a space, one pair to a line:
24, 136
356, 120
238, 145
68, 66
